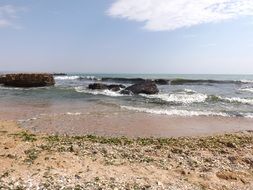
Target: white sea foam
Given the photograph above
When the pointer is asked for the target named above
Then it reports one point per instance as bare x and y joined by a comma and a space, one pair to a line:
189, 91
98, 92
246, 81
74, 113
180, 97
246, 89
22, 88
66, 77
92, 78
174, 112
248, 115
237, 100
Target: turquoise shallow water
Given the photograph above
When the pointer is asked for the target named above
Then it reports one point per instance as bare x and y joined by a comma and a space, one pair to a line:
183, 95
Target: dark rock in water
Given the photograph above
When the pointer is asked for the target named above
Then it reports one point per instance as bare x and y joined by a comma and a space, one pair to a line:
100, 86
161, 81
147, 87
2, 78
134, 80
125, 92
124, 80
29, 80
115, 87
97, 86
59, 74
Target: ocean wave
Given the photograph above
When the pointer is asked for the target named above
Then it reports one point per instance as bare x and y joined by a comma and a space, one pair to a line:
246, 89
189, 91
98, 92
180, 81
248, 115
93, 78
66, 77
23, 89
236, 100
191, 97
179, 98
246, 81
177, 81
183, 113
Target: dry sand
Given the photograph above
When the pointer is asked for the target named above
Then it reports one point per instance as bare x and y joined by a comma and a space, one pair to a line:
39, 161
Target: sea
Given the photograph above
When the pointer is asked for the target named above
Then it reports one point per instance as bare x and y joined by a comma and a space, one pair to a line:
182, 96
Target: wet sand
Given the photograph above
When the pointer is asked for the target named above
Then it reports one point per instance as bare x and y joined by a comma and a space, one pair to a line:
108, 120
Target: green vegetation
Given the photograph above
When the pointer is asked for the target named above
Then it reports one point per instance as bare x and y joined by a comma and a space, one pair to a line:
221, 141
32, 154
25, 136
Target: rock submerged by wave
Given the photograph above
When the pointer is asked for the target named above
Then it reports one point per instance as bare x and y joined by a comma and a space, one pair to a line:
101, 86
28, 80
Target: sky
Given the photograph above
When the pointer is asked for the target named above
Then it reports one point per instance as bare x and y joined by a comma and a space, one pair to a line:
127, 36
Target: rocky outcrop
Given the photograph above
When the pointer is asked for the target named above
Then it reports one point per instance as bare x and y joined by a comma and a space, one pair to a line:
97, 86
147, 87
101, 86
134, 80
59, 74
2, 77
123, 80
29, 80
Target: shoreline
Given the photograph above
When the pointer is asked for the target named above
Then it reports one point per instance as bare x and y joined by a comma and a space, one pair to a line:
91, 162
134, 125
109, 120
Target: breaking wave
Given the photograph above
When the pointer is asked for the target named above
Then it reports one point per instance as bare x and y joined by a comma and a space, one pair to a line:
174, 112
23, 89
193, 97
236, 100
246, 89
92, 78
66, 77
246, 81
98, 92
179, 98
177, 81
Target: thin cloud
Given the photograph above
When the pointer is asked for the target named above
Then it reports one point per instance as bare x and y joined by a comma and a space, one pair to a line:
8, 13
167, 15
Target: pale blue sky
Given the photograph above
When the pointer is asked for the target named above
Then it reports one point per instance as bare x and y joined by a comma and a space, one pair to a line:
127, 36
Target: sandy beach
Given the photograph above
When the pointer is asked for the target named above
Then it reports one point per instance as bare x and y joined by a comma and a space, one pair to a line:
126, 95
37, 161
